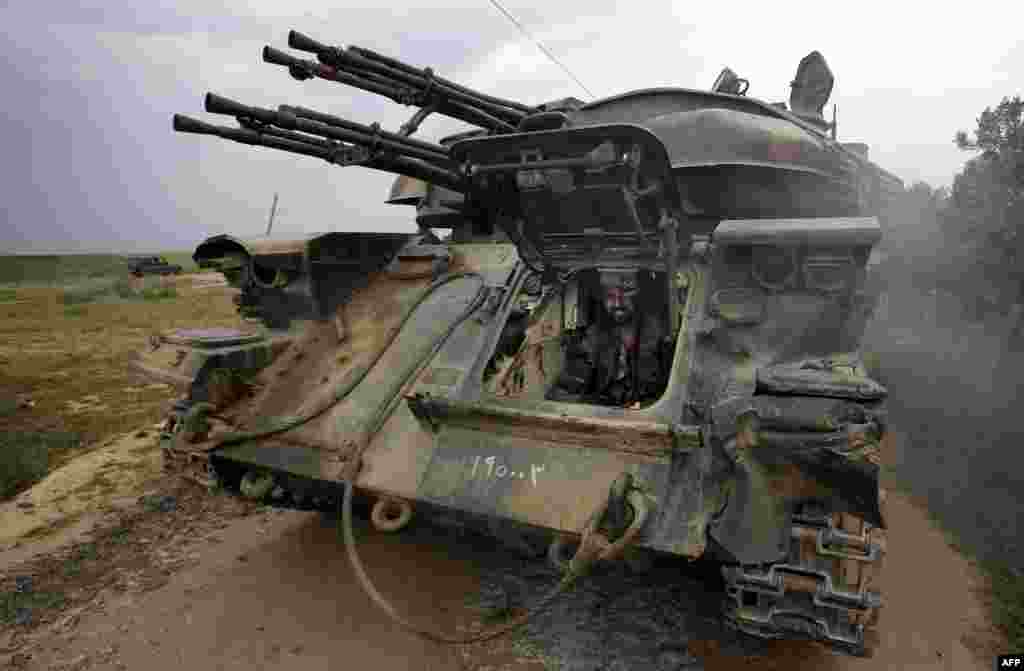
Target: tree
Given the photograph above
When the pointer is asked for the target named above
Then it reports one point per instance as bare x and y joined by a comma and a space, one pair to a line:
987, 202
994, 181
998, 130
999, 137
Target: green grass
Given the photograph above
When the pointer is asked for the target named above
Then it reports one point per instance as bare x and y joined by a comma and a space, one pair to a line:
527, 649
8, 295
158, 293
1007, 602
54, 269
73, 566
8, 406
24, 457
12, 602
86, 291
120, 535
93, 290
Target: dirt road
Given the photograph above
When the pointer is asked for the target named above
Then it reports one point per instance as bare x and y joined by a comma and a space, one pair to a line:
273, 589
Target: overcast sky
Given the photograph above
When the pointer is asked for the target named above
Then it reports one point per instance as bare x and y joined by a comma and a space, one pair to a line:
88, 90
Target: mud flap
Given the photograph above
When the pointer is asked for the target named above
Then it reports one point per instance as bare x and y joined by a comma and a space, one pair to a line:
782, 471
755, 524
774, 471
851, 485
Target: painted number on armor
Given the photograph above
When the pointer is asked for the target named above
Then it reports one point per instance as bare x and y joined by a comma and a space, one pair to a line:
491, 468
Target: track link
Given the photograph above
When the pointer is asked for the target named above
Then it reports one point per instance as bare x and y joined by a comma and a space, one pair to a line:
826, 589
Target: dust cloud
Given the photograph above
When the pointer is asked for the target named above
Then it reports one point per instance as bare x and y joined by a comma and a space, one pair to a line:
943, 343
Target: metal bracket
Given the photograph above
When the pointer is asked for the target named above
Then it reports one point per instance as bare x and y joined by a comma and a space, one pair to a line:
419, 405
413, 124
345, 155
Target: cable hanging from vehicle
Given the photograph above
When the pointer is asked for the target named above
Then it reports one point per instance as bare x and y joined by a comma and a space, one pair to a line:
540, 46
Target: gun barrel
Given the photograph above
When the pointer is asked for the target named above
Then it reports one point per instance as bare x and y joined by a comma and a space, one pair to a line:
303, 42
339, 154
420, 170
423, 81
332, 120
357, 134
381, 85
399, 65
310, 69
288, 135
185, 124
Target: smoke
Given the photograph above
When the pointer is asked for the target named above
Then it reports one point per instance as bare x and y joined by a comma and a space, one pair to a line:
948, 358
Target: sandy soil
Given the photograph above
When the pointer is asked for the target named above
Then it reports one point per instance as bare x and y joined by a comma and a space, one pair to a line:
234, 586
84, 487
269, 589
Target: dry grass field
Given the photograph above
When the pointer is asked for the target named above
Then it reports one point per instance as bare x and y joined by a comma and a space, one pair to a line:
64, 349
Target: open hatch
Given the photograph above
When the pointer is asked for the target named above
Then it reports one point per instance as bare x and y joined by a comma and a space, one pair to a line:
598, 208
577, 197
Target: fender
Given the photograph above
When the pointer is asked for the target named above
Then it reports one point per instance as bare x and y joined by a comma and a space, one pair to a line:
787, 450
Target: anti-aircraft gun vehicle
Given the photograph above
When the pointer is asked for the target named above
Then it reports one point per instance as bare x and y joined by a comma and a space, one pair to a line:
641, 330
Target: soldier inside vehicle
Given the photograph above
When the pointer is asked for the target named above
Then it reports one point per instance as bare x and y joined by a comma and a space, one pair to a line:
604, 339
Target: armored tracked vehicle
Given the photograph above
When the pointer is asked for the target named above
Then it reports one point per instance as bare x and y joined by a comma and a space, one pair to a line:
640, 330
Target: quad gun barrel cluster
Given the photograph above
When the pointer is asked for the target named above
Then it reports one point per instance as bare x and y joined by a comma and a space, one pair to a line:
342, 142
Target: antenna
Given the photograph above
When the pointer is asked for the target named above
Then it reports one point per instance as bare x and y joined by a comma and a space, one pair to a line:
273, 211
540, 46
834, 121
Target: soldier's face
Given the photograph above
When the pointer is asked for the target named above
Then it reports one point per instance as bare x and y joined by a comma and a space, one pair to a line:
619, 304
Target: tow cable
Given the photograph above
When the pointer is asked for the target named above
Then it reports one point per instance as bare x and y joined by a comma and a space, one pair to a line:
594, 546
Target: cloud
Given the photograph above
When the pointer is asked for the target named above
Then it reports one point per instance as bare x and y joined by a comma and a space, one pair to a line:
90, 90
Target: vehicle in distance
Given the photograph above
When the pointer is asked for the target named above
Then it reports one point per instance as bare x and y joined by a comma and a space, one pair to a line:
152, 265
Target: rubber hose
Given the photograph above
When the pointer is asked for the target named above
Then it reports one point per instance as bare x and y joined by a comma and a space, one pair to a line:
393, 395
348, 537
355, 376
